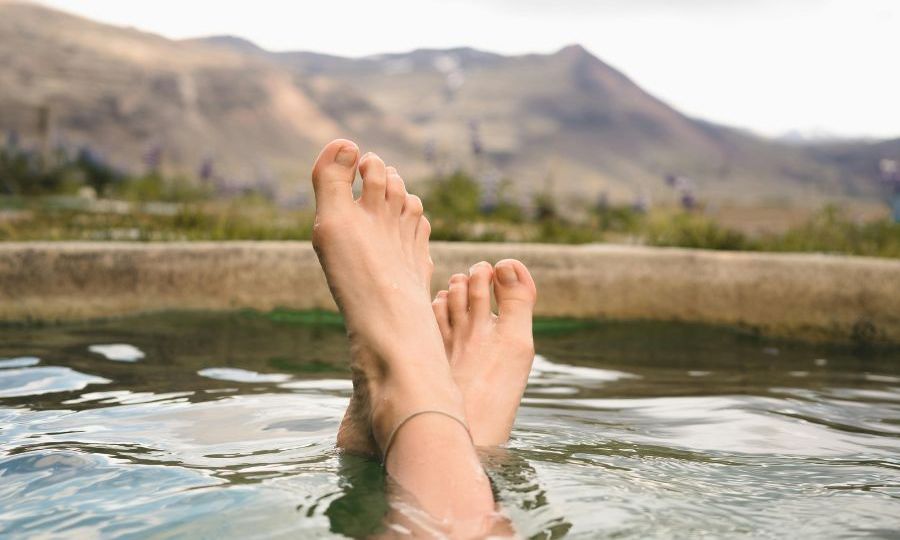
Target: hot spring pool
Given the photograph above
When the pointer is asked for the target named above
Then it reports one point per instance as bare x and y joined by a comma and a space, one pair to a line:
222, 426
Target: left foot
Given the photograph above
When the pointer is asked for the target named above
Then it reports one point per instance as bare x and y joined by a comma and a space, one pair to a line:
490, 355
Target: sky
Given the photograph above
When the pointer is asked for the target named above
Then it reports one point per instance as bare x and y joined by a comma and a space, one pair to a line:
820, 67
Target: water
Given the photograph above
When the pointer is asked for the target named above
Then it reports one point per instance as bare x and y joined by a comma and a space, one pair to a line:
222, 425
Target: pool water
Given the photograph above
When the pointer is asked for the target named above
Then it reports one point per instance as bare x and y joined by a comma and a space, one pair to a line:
222, 426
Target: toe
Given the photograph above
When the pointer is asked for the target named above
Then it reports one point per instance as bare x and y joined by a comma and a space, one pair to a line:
516, 294
374, 175
458, 300
421, 251
442, 314
480, 292
409, 218
395, 191
409, 223
333, 174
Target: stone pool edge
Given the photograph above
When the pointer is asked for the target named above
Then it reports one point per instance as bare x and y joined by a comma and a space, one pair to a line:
808, 296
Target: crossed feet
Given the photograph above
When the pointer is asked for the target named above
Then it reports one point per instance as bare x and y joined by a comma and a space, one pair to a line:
409, 353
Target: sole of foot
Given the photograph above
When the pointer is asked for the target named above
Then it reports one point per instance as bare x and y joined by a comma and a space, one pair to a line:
490, 354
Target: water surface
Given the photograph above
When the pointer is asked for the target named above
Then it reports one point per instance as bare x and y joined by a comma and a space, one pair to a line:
222, 425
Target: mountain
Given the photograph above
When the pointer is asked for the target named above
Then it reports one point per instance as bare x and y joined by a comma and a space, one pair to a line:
127, 94
564, 121
573, 121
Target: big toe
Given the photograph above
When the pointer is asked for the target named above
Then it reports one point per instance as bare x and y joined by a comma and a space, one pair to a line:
515, 292
334, 172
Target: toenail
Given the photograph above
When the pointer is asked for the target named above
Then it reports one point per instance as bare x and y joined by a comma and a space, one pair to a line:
475, 267
346, 156
507, 275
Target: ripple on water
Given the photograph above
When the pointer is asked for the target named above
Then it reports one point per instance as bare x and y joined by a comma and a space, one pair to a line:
22, 361
118, 352
227, 430
744, 424
98, 495
243, 375
35, 381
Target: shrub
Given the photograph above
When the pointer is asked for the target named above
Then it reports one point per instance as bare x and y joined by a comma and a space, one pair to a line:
831, 231
693, 231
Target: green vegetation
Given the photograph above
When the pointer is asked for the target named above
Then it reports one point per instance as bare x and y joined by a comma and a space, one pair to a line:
831, 231
828, 231
314, 317
546, 326
318, 318
58, 197
453, 204
33, 173
456, 208
692, 231
240, 219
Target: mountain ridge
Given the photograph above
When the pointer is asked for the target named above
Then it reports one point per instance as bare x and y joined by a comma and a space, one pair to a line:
565, 121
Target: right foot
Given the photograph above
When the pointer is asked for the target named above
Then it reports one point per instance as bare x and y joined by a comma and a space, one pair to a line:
490, 355
374, 252
375, 256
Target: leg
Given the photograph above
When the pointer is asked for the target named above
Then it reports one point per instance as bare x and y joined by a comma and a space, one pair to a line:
399, 363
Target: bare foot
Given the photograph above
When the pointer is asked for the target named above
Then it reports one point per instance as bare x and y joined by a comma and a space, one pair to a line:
375, 255
490, 355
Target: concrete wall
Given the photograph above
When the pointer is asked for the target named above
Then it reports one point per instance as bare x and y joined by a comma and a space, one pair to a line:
809, 296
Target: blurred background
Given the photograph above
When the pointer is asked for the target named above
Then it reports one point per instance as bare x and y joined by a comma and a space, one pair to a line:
746, 125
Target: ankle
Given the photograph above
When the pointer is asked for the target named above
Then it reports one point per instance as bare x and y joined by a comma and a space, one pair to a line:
398, 402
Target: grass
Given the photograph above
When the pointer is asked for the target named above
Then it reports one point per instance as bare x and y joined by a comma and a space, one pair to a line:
828, 231
242, 219
45, 199
248, 218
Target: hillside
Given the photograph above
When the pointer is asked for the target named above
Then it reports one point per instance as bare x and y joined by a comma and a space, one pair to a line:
564, 121
127, 94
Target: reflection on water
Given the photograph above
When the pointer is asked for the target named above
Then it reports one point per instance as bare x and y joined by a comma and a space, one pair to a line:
119, 352
223, 425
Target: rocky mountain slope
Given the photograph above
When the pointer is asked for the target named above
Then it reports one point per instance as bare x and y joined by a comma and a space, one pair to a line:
565, 121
